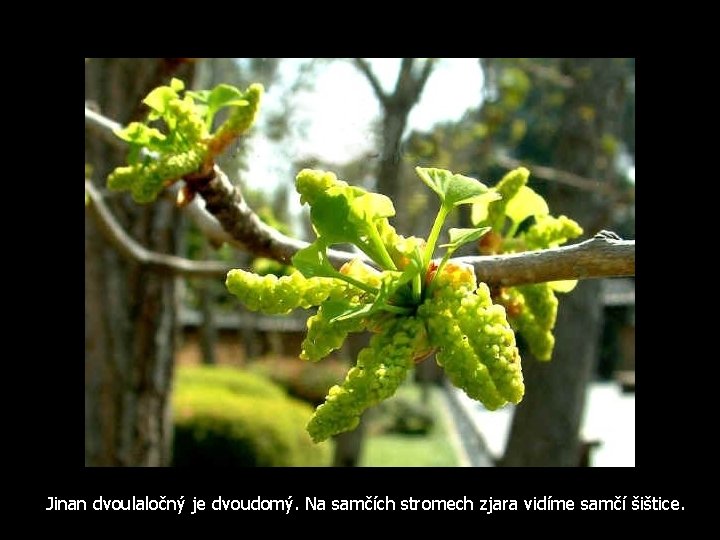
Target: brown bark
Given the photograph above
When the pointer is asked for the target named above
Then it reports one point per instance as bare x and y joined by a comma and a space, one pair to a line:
388, 176
129, 309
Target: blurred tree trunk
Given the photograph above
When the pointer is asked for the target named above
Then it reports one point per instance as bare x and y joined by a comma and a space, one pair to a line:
208, 330
130, 314
396, 109
546, 424
349, 444
393, 126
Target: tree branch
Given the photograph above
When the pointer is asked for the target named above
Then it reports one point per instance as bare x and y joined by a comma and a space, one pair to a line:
204, 220
130, 249
104, 127
598, 257
225, 201
404, 76
195, 209
556, 175
549, 74
424, 74
366, 70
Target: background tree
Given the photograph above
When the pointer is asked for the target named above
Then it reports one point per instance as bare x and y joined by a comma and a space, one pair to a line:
566, 120
130, 312
546, 425
396, 107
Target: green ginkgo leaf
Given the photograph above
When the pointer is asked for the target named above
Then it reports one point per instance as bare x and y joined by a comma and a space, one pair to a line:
524, 204
347, 214
140, 134
563, 286
223, 95
479, 210
453, 189
159, 98
460, 237
312, 261
370, 206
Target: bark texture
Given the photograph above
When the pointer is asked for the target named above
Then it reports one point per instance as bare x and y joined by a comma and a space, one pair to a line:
130, 312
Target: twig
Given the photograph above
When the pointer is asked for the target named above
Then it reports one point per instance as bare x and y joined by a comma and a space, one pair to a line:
130, 249
599, 257
204, 220
104, 127
225, 201
556, 175
366, 70
426, 70
550, 74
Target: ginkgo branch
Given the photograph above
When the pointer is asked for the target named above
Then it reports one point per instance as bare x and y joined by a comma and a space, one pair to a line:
228, 218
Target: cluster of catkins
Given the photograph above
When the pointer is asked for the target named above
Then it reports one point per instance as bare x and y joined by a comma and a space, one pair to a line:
456, 319
414, 309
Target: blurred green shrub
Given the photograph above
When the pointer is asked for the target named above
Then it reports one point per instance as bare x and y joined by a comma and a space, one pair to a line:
304, 380
403, 416
236, 380
225, 417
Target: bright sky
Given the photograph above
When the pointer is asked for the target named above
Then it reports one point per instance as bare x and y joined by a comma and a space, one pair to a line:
339, 110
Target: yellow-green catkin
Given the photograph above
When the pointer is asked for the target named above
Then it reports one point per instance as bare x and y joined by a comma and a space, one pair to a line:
381, 368
280, 295
476, 345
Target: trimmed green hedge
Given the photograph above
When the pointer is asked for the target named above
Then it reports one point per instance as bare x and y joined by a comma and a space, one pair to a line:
225, 417
238, 381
